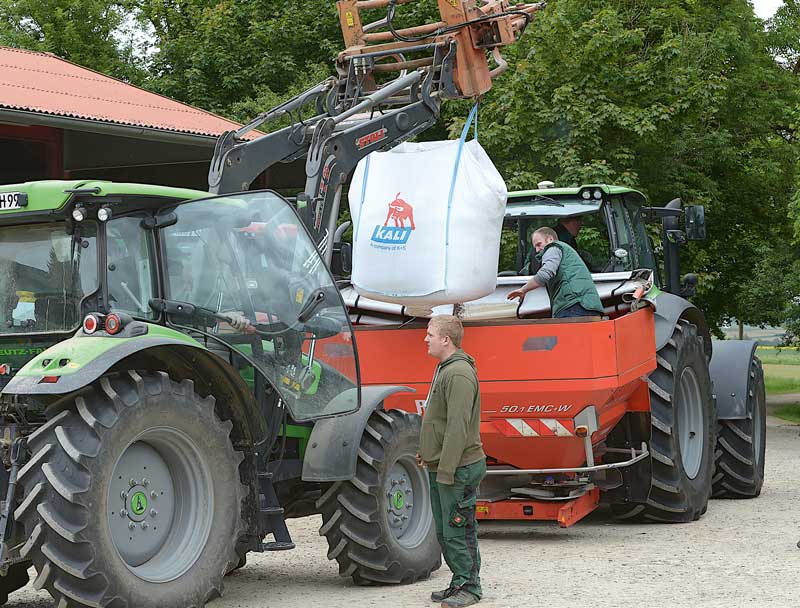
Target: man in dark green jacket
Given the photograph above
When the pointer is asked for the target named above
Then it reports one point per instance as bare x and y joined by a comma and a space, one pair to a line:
451, 449
569, 283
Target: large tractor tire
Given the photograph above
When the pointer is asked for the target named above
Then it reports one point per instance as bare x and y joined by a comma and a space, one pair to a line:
741, 445
16, 578
132, 497
682, 433
379, 525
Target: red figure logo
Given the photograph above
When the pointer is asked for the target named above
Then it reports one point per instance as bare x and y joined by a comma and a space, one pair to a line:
400, 211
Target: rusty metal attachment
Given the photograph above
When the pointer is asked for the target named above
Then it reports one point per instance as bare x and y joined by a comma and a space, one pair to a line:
457, 47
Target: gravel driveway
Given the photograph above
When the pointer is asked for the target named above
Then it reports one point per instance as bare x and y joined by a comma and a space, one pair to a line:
741, 553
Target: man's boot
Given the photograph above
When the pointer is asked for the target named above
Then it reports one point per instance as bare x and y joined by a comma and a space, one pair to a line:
459, 599
440, 596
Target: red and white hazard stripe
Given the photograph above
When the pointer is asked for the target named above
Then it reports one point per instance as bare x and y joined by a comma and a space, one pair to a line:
536, 427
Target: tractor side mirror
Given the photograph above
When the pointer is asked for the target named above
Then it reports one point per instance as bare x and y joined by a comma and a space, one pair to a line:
689, 285
342, 253
162, 220
342, 259
695, 218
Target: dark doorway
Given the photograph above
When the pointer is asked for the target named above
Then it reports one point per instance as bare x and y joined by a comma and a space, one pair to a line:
29, 153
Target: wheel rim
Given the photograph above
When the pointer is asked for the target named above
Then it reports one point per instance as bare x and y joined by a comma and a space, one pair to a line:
691, 431
160, 504
407, 496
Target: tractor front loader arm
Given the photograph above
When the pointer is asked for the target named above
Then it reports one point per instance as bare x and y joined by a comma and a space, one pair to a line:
364, 109
237, 162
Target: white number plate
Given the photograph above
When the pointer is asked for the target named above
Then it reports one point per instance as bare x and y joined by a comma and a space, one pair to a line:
10, 200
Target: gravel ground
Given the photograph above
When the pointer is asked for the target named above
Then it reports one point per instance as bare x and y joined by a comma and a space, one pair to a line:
741, 553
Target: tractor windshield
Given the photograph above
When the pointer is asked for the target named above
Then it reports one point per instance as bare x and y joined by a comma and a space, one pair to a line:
256, 281
44, 274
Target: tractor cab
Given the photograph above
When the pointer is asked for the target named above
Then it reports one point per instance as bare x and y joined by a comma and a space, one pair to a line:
607, 226
65, 250
238, 273
602, 223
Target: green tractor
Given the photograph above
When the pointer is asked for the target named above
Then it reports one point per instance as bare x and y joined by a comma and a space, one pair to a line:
707, 422
179, 377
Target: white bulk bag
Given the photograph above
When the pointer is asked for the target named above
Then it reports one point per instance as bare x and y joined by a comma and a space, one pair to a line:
427, 220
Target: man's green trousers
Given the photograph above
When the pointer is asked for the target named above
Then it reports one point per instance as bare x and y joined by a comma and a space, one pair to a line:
456, 526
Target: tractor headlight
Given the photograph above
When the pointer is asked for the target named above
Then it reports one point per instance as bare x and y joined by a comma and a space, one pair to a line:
79, 213
104, 214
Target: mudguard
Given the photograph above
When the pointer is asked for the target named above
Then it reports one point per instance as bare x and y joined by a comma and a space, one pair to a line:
730, 375
670, 308
333, 445
77, 362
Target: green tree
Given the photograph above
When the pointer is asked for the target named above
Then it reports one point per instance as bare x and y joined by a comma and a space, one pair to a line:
784, 38
675, 98
240, 57
91, 33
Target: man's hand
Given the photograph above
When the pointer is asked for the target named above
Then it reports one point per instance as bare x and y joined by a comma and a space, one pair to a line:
238, 321
517, 293
420, 462
520, 293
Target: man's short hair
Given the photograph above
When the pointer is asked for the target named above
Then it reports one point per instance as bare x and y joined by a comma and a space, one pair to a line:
546, 232
450, 326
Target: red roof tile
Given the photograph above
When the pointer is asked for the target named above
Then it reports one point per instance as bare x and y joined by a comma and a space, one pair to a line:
42, 82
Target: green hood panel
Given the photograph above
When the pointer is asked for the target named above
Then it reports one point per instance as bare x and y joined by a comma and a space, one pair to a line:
42, 196
50, 195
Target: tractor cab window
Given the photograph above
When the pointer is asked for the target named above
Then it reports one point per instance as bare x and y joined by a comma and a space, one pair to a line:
44, 274
642, 244
587, 233
130, 283
256, 281
622, 225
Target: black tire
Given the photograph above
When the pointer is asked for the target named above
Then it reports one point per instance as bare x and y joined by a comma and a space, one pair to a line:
70, 507
676, 495
356, 513
741, 445
16, 578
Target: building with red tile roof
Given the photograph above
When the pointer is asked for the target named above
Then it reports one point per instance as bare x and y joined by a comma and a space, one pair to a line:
60, 120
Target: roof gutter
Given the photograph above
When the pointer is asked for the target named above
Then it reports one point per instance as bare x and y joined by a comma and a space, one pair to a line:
27, 118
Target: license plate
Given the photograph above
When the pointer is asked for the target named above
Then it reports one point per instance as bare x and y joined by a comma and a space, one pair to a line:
13, 200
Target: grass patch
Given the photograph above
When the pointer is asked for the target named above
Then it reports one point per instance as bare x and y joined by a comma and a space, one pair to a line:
779, 356
789, 372
779, 386
780, 379
790, 413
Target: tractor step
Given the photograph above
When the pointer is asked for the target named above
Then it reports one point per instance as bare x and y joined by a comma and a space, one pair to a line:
276, 546
270, 515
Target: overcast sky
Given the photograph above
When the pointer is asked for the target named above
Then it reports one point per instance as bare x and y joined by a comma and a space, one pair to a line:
766, 8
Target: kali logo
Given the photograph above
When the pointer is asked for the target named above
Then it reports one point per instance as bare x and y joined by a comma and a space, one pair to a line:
399, 213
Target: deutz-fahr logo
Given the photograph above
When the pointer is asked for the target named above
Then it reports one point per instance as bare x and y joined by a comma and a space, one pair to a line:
400, 212
371, 138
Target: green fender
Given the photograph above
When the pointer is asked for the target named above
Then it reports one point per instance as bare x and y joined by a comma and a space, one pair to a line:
82, 359
77, 362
